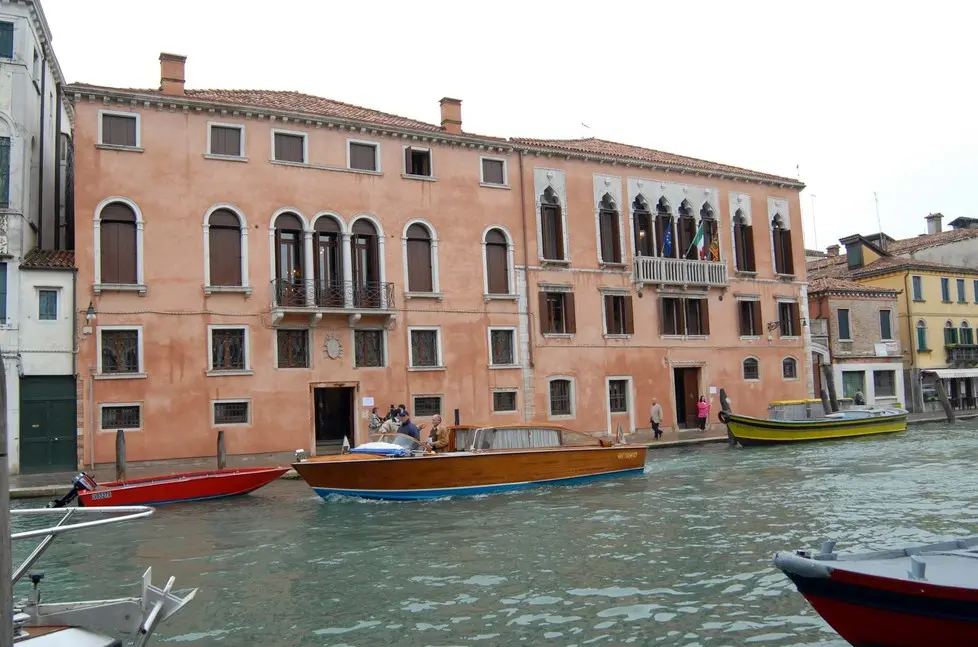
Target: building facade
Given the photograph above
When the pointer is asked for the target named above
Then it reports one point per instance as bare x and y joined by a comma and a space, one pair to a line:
275, 265
36, 301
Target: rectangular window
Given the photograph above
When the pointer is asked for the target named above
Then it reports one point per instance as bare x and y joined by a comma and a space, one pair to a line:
962, 298
950, 335
425, 348
853, 382
921, 338
750, 318
4, 172
886, 328
6, 39
884, 383
236, 412
845, 332
292, 348
289, 147
502, 347
975, 286
368, 348
363, 156
229, 350
120, 130
680, 316
697, 317
918, 289
557, 315
618, 317
946, 290
226, 140
788, 319
120, 352
618, 396
426, 406
47, 305
37, 66
493, 171
114, 416
3, 294
417, 161
560, 398
503, 401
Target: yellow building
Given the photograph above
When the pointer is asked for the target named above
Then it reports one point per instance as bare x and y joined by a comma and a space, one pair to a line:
937, 308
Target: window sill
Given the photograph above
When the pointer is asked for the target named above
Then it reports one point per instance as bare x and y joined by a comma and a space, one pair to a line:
505, 412
233, 425
440, 296
503, 367
112, 431
121, 376
793, 338
686, 337
613, 266
426, 368
750, 338
617, 336
752, 379
117, 147
558, 335
292, 368
789, 379
227, 289
218, 373
920, 301
562, 417
555, 261
747, 274
322, 167
925, 350
367, 368
845, 341
490, 185
99, 288
225, 158
421, 178
784, 277
500, 297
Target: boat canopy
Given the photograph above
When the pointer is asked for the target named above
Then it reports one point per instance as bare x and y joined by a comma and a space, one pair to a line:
520, 437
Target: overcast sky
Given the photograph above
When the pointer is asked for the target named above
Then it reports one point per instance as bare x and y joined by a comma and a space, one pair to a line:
852, 97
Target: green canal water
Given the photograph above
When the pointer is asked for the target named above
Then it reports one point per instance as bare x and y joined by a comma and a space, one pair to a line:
678, 556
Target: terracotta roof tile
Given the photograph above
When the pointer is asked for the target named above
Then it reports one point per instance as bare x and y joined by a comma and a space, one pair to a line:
49, 259
828, 284
910, 245
627, 151
890, 263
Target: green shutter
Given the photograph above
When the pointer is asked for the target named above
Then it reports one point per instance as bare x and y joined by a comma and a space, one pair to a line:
6, 40
4, 172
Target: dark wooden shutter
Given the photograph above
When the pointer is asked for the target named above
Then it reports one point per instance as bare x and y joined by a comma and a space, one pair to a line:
778, 252
119, 130
680, 317
743, 308
756, 314
750, 265
559, 233
629, 316
662, 316
117, 244
705, 316
225, 248
288, 148
225, 141
609, 314
492, 172
407, 160
364, 157
544, 314
419, 259
497, 262
788, 255
796, 320
570, 312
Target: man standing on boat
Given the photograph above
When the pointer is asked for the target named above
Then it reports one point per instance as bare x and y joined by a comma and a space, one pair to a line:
438, 438
656, 418
408, 427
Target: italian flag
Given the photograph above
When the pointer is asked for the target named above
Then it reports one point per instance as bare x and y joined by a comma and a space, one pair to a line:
698, 242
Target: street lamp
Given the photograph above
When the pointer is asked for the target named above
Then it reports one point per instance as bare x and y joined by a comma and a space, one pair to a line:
89, 318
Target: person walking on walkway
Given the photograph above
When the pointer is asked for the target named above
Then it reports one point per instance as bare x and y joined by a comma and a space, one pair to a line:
703, 412
656, 418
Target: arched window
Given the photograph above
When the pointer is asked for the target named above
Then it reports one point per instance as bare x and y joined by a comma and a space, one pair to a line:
328, 262
686, 226
497, 262
365, 252
743, 243
789, 368
922, 335
950, 334
119, 255
418, 253
752, 369
224, 248
289, 270
710, 246
608, 228
664, 229
551, 226
967, 335
642, 219
781, 239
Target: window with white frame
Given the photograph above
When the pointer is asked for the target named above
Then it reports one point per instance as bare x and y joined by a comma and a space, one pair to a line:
884, 384
886, 325
119, 129
504, 401
502, 346
120, 350
425, 347
289, 146
113, 417
493, 171
845, 325
292, 348
618, 396
498, 268
47, 304
417, 161
225, 140
363, 156
368, 348
228, 349
232, 412
561, 399
752, 369
426, 406
789, 368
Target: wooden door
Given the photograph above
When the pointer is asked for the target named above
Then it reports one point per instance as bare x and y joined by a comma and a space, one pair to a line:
691, 386
48, 434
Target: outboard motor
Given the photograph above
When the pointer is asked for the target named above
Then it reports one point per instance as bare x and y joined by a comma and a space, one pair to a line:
80, 482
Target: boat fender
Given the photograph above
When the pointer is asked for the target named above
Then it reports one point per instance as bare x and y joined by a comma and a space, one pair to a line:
723, 416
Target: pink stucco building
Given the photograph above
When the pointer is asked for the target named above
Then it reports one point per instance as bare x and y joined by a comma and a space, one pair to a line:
271, 263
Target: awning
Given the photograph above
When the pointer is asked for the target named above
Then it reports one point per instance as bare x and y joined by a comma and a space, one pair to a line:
950, 373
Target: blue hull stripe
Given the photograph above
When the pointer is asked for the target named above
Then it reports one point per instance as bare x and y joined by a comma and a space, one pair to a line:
420, 494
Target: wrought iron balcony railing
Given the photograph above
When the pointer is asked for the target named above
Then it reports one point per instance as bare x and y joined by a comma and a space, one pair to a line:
959, 353
680, 271
332, 295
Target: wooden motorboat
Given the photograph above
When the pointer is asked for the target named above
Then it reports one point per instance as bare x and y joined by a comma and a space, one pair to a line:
851, 423
922, 596
479, 460
172, 488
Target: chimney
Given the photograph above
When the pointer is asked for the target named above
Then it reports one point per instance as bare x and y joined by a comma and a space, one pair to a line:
171, 74
934, 223
451, 115
832, 251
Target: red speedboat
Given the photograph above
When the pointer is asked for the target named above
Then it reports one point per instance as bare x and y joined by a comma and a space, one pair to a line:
171, 488
921, 596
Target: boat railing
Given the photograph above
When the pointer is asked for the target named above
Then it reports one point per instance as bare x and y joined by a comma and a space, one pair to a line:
138, 616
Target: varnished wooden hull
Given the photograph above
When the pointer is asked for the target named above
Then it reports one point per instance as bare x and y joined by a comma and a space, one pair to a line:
466, 474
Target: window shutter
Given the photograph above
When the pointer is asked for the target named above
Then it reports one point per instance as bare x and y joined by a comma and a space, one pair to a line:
788, 260
544, 314
407, 159
559, 234
750, 266
609, 313
496, 269
756, 315
778, 255
680, 317
571, 313
419, 265
3, 292
629, 316
705, 316
662, 316
796, 319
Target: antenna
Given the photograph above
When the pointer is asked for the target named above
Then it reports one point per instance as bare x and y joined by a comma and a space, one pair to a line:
878, 221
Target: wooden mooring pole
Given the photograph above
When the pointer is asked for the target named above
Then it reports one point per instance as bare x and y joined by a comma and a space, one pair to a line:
120, 455
222, 454
945, 401
829, 380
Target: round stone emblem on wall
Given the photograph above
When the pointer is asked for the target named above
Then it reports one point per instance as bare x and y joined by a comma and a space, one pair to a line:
332, 347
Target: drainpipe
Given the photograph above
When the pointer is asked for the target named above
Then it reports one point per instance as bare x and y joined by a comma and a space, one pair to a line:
910, 340
40, 163
57, 169
91, 416
526, 266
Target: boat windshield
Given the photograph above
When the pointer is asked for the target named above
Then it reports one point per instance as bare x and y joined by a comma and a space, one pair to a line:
401, 440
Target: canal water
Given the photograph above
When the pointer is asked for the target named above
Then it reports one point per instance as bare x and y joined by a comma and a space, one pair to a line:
678, 556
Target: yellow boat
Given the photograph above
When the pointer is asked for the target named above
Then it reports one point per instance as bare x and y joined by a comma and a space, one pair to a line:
851, 423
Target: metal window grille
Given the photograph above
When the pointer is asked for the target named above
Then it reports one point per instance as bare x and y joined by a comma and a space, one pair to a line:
127, 417
120, 351
228, 349
230, 413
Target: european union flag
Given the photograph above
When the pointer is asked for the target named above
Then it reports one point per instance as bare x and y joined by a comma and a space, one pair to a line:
667, 243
